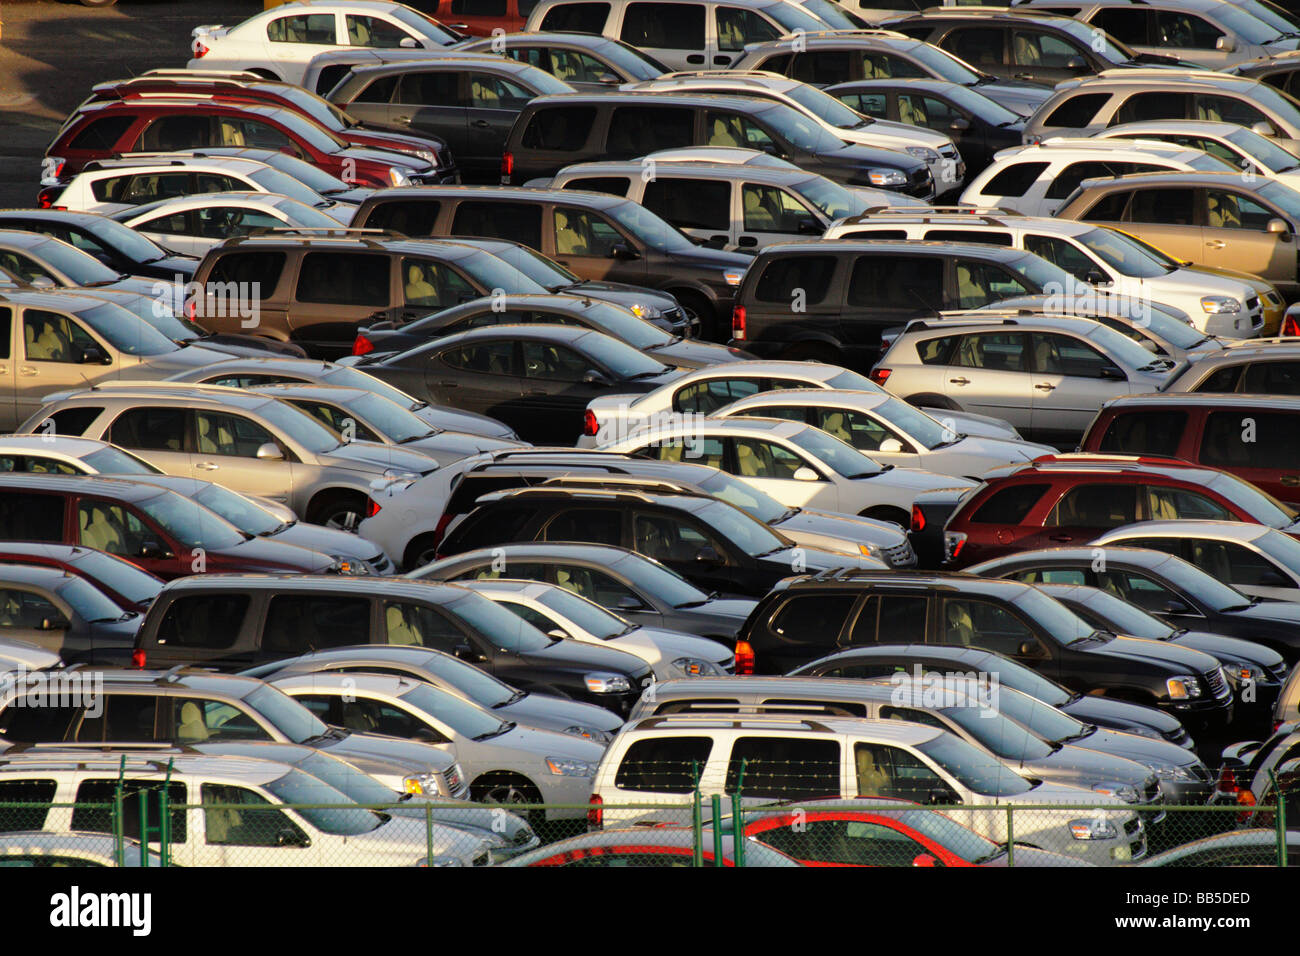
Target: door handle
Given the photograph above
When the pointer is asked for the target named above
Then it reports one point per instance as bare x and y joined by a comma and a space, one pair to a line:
481, 124
404, 120
208, 465
722, 60
1024, 76
959, 381
1061, 537
746, 241
695, 58
1214, 243
1045, 386
447, 384
536, 392
27, 370
1290, 480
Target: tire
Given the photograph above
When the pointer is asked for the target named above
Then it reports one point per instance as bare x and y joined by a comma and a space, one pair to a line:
930, 400
711, 329
341, 510
886, 513
505, 788
263, 73
98, 3
813, 352
419, 551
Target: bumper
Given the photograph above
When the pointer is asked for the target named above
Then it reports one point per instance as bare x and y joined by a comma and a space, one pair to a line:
1201, 718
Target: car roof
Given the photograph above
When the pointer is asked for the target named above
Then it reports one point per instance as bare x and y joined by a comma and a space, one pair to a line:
389, 684
1141, 557
598, 555
163, 391
686, 502
1085, 464
814, 396
389, 586
894, 731
813, 371
39, 574
1141, 78
1207, 399
507, 193
715, 689
693, 169
73, 446
1206, 127
249, 770
568, 334
69, 216
123, 489
326, 393
664, 98
898, 246
452, 59
975, 219
1192, 528
945, 581
70, 300
153, 161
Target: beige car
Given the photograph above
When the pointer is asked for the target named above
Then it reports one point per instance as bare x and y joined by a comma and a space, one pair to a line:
1220, 219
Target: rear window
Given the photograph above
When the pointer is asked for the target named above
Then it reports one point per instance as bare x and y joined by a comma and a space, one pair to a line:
637, 130
785, 279
614, 185
1009, 505
209, 621
1014, 180
903, 283
31, 517
664, 764
562, 129
492, 525
812, 619
575, 18
1077, 111
102, 133
516, 221
1149, 433
784, 768
297, 623
70, 421
409, 217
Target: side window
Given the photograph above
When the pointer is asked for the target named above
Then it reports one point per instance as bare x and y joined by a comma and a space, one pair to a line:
614, 185
900, 618
494, 526
1013, 180
28, 803
31, 517
94, 800
1227, 109
560, 129
1032, 48
427, 88
885, 771
1106, 505
579, 232
69, 421
1139, 589
733, 129
771, 209
1075, 173
996, 351
1053, 576
409, 218
149, 429
670, 538
690, 203
1269, 378
813, 619
784, 768
217, 433
27, 610
1232, 210
591, 525
664, 26
637, 130
1062, 253
434, 285
988, 626
711, 394
575, 18
1178, 30
102, 133
737, 27
978, 46
296, 623
1009, 506
899, 283
1111, 207
1157, 433
1235, 564
698, 451
374, 32
488, 92
110, 527
258, 272
374, 717
488, 358
52, 337
845, 842
312, 28
197, 720
572, 66
554, 363
593, 585
873, 104
856, 428
212, 622
381, 89
756, 458
1128, 25
237, 131
38, 724
166, 134
927, 111
1171, 207
517, 221
1171, 504
1140, 107
344, 279
237, 816
1224, 445
663, 764
1056, 354
979, 283
782, 279
821, 67
1075, 113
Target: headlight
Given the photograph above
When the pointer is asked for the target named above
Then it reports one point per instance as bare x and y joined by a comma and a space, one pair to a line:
421, 784
398, 177
590, 733
352, 566
733, 276
607, 684
564, 767
1219, 304
399, 475
429, 156
645, 311
1093, 830
871, 551
694, 667
1183, 687
886, 177
1170, 772
1120, 791
1239, 672
923, 154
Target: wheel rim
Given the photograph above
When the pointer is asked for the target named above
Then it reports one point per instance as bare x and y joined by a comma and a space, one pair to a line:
343, 519
505, 793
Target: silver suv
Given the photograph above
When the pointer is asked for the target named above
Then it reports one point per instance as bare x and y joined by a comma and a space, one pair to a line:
249, 441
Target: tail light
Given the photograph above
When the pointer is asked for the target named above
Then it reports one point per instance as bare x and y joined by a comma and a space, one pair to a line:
918, 518
881, 375
372, 507
362, 345
192, 308
200, 51
1290, 326
744, 658
439, 531
45, 199
596, 813
590, 427
507, 166
1245, 800
138, 658
1227, 782
953, 543
738, 322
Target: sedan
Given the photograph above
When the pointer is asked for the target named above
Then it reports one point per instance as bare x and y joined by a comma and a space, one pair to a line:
64, 614
44, 261
194, 224
641, 846
117, 247
537, 379
125, 583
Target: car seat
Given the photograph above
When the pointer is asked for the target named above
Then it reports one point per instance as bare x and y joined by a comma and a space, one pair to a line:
960, 629
1224, 212
357, 716
231, 134
757, 216
358, 32
214, 439
726, 132
191, 729
873, 779
1046, 357
1163, 508
1212, 558
418, 288
483, 93
219, 823
1026, 50
48, 345
911, 112
100, 532
835, 424
569, 240
399, 629
651, 539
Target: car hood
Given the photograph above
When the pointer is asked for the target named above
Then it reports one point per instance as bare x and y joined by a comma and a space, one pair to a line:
1082, 767
537, 743
359, 454
838, 533
1145, 750
890, 135
622, 294
1183, 659
413, 755
404, 841
575, 655
447, 447
1094, 710
388, 157
1229, 648
730, 611
702, 256
471, 423
693, 353
557, 713
856, 155
665, 646
914, 479
999, 449
266, 554
182, 360
1273, 612
1049, 793
1195, 280
981, 426
815, 559
1022, 98
328, 541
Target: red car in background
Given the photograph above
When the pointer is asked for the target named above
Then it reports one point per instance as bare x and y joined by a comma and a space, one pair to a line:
478, 17
1062, 500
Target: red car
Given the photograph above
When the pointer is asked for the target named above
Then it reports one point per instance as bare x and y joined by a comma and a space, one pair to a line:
1061, 500
102, 130
478, 17
645, 846
247, 88
1250, 436
129, 585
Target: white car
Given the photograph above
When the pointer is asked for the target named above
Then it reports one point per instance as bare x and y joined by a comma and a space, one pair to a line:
115, 185
1036, 180
1116, 273
889, 430
1238, 145
797, 464
559, 612
194, 224
703, 391
278, 42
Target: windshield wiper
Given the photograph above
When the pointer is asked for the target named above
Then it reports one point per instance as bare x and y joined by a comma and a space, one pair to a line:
639, 375
505, 727
512, 699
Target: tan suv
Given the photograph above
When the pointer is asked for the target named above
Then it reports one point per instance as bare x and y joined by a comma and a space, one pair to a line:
1220, 219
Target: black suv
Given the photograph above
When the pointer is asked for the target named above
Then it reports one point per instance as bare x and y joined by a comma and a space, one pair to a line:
593, 235
710, 543
233, 622
807, 617
557, 131
830, 301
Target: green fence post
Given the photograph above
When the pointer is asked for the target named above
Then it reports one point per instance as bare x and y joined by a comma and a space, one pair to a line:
119, 827
1011, 836
165, 824
144, 827
697, 823
1279, 818
717, 829
738, 819
428, 833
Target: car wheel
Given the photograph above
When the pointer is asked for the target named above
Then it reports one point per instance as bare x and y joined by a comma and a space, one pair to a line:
265, 73
509, 789
421, 551
885, 513
343, 512
701, 308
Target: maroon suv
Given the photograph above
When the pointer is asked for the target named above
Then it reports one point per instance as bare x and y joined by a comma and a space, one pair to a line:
246, 88
106, 129
1060, 500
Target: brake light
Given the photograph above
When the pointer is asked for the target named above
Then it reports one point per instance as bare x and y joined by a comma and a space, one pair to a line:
738, 322
1227, 782
138, 658
881, 375
507, 166
362, 345
191, 308
372, 507
595, 815
589, 424
1290, 326
200, 51
46, 197
1245, 798
744, 658
918, 518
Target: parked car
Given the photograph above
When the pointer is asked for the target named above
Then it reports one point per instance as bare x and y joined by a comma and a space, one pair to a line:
117, 247
639, 846
64, 614
586, 62
194, 224
1264, 368
1239, 145
55, 454
124, 582
44, 262
1254, 847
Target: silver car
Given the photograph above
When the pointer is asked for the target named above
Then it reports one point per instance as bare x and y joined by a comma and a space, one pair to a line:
248, 441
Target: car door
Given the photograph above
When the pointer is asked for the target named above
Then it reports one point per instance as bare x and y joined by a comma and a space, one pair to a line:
734, 29
432, 101
1194, 37
555, 393
783, 473
123, 530
1237, 235
672, 33
160, 434
29, 613
983, 47
58, 352
1086, 510
701, 208
336, 292
492, 104
989, 626
588, 244
177, 231
1168, 217
297, 38
9, 412
226, 450
428, 286
690, 549
989, 373
1037, 56
1071, 380
481, 376
771, 214
1255, 445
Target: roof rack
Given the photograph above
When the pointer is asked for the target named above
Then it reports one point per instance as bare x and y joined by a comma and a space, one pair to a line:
847, 34
622, 482
365, 236
1146, 73
954, 210
721, 74
221, 74
735, 720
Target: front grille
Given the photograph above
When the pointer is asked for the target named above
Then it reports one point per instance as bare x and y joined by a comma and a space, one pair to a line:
901, 556
1177, 736
948, 152
453, 779
1252, 303
1279, 672
381, 564
1132, 826
1217, 684
523, 837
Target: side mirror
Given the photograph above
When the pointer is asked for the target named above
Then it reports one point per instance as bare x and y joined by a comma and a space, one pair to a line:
810, 227
1278, 227
708, 555
153, 551
1264, 128
959, 124
91, 355
609, 79
1076, 64
1027, 649
1096, 277
1225, 44
594, 377
1113, 374
42, 282
467, 653
408, 43
55, 624
891, 446
925, 859
628, 603
429, 736
804, 473
1175, 606
292, 838
621, 250
558, 633
270, 451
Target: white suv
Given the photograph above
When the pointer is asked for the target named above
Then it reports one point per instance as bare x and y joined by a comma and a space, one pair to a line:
654, 761
1036, 180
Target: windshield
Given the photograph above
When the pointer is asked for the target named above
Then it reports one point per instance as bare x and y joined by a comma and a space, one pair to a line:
126, 240
1206, 163
1123, 254
1176, 332
1282, 548
309, 132
298, 788
832, 199
545, 272
80, 267
1208, 590
497, 625
1052, 616
915, 423
739, 529
852, 381
746, 497
797, 129
299, 426
1120, 346
492, 273
651, 576
477, 685
972, 767
1248, 26
986, 109
114, 461
321, 110
1282, 196
238, 510
343, 777
393, 420
1019, 677
192, 525
88, 601
655, 232
948, 833
1121, 617
794, 18
1096, 40
303, 172
1261, 506
826, 107
464, 717
623, 324
840, 456
425, 26
592, 618
355, 378
1262, 150
1040, 272
133, 583
285, 714
832, 13
619, 357
1043, 719
125, 332
274, 181
1005, 738
301, 214
160, 315
636, 64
